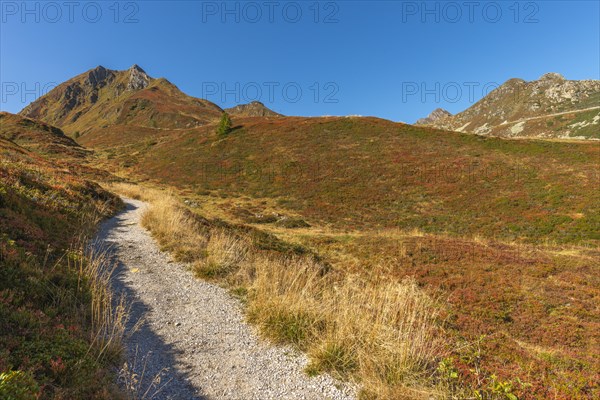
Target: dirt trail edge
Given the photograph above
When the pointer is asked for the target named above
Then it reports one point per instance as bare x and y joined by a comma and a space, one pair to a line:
192, 334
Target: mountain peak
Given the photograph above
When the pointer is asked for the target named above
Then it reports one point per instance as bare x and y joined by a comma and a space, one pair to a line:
552, 76
252, 109
439, 111
137, 68
528, 108
514, 82
101, 97
434, 116
138, 79
98, 76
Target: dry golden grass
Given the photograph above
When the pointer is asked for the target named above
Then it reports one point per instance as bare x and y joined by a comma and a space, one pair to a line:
381, 333
224, 253
173, 226
132, 191
109, 314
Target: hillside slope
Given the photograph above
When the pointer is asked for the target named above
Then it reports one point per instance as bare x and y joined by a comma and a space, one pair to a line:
102, 97
52, 343
39, 137
551, 107
368, 172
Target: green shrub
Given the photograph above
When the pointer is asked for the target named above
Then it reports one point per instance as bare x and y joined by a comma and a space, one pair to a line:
18, 385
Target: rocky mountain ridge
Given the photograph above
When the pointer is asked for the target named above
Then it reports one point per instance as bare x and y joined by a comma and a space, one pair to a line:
434, 116
252, 109
550, 107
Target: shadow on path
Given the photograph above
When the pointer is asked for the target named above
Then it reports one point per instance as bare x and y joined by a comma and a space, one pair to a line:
148, 355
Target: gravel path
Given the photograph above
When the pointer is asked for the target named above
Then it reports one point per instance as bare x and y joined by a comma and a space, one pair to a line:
193, 334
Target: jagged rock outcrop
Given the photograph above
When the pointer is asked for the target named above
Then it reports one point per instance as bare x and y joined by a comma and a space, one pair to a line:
138, 79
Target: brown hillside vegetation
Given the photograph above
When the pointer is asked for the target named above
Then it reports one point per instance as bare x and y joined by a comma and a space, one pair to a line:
60, 326
49, 144
355, 173
39, 137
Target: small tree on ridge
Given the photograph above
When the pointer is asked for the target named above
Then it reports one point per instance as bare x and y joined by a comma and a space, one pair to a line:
224, 125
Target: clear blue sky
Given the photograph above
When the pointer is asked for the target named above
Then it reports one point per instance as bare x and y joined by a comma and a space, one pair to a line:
391, 59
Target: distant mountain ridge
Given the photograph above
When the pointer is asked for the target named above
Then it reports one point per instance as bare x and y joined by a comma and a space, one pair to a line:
550, 107
253, 109
434, 116
101, 97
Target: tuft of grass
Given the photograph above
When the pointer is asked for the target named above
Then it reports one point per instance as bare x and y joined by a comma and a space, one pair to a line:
382, 333
128, 190
334, 357
132, 376
285, 325
224, 253
109, 314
